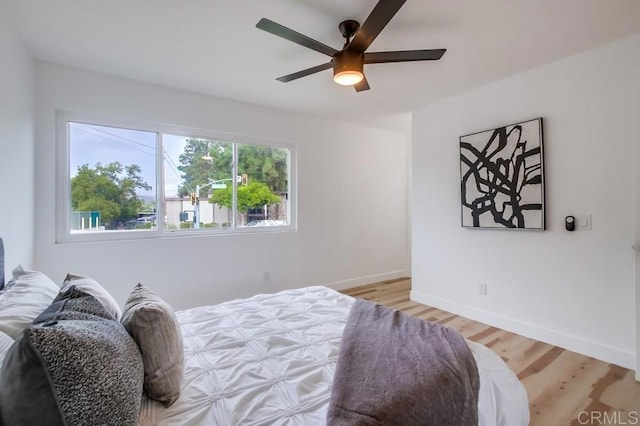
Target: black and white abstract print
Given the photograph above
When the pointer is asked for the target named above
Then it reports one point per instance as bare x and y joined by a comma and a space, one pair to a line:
502, 179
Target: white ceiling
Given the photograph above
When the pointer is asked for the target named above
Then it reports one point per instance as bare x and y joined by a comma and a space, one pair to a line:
212, 46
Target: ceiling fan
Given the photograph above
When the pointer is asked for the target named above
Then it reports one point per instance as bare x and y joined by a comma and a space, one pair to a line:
348, 63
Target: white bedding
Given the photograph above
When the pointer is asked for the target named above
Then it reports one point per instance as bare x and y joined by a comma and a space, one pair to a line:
270, 360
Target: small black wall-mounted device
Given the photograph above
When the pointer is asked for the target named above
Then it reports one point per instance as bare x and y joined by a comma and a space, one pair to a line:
570, 223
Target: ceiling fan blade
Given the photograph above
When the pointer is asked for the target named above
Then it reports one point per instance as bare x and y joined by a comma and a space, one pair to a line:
375, 22
294, 36
304, 73
403, 56
363, 85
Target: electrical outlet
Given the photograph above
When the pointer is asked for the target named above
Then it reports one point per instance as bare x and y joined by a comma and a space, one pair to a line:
482, 289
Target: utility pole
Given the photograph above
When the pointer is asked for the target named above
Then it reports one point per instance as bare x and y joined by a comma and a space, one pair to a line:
196, 200
196, 207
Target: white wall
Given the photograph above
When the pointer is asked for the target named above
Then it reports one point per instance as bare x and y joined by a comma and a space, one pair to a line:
351, 199
16, 149
572, 289
637, 228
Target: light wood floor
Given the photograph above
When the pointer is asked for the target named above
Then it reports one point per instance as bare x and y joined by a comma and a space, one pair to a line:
560, 383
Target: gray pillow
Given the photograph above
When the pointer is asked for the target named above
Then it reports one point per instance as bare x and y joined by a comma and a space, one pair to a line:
5, 343
92, 287
74, 365
1, 264
155, 328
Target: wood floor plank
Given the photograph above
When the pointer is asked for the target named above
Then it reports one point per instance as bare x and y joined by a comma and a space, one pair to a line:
434, 315
469, 328
624, 393
484, 335
561, 385
423, 312
507, 345
393, 299
569, 382
409, 306
521, 359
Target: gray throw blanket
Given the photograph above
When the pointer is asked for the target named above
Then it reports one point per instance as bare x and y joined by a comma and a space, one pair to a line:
394, 369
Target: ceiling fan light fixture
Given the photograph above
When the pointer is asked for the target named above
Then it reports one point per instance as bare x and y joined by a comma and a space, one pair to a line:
347, 68
348, 78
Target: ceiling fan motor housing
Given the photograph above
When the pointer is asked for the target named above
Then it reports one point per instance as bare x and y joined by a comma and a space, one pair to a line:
348, 61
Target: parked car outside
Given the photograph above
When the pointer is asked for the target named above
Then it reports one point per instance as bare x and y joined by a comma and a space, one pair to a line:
266, 222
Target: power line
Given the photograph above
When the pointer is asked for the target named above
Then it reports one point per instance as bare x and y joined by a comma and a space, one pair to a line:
151, 152
147, 149
174, 167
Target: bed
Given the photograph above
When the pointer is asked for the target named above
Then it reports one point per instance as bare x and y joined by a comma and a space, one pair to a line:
271, 360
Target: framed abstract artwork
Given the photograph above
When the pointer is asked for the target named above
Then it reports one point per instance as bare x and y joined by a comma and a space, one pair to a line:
502, 177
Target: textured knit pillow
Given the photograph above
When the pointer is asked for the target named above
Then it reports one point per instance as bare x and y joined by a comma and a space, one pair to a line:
75, 365
92, 287
23, 298
155, 328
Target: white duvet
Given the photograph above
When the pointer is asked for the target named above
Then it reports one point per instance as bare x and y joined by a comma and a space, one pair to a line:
270, 360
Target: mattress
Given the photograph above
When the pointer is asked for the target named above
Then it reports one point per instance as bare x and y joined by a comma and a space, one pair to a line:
270, 360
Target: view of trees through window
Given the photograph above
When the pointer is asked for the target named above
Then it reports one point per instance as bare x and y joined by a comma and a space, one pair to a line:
205, 168
115, 184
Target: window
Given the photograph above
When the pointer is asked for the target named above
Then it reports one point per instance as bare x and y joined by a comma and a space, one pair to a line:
145, 181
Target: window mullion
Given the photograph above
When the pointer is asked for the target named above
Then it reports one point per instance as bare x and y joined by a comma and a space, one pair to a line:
234, 186
160, 210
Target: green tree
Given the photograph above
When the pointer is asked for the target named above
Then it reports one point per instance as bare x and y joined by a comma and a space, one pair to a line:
264, 164
260, 163
203, 161
109, 189
251, 196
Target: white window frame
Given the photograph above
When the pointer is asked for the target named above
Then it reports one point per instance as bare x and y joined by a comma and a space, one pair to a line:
63, 180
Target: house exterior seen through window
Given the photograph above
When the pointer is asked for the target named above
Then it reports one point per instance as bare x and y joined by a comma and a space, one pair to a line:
143, 181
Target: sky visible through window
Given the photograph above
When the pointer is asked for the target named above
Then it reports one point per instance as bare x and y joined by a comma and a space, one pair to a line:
91, 144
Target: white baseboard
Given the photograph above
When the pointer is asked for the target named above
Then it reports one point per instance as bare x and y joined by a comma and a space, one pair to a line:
546, 335
369, 279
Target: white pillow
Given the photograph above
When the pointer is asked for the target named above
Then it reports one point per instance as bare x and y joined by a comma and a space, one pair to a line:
92, 287
23, 298
5, 343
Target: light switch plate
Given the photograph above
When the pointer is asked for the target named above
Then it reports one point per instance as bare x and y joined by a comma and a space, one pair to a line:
584, 222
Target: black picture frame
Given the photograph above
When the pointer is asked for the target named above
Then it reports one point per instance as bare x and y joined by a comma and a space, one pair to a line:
502, 177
